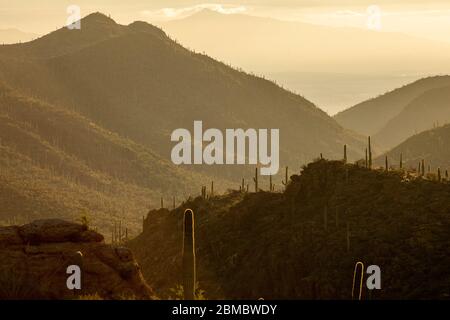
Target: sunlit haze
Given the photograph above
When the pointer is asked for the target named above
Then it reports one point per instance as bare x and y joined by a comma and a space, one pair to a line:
350, 66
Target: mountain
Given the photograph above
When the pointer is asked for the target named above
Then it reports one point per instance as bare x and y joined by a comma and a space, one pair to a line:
9, 36
398, 114
371, 116
426, 111
430, 145
86, 119
135, 81
303, 243
265, 45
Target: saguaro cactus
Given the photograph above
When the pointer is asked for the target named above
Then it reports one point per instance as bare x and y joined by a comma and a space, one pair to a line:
423, 167
255, 179
386, 163
162, 203
212, 189
285, 182
189, 276
367, 163
439, 174
271, 187
401, 160
370, 154
204, 192
345, 153
243, 185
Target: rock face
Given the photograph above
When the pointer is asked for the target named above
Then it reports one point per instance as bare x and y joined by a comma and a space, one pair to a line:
34, 260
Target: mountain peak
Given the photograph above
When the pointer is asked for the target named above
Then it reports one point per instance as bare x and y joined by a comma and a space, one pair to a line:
207, 13
146, 27
94, 27
98, 17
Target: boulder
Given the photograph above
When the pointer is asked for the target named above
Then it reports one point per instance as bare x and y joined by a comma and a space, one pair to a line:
52, 230
88, 236
34, 260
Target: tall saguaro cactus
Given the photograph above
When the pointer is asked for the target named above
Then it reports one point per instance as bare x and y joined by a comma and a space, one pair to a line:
423, 167
366, 163
189, 255
345, 153
370, 154
255, 179
204, 192
285, 181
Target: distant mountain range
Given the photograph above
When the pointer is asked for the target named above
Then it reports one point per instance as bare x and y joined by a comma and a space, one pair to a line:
399, 114
432, 146
266, 45
107, 98
10, 36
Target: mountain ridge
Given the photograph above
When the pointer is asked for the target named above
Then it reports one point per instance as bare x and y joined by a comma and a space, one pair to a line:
394, 116
303, 46
141, 48
429, 145
349, 118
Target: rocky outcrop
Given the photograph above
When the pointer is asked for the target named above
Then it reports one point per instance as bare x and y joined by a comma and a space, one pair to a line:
34, 260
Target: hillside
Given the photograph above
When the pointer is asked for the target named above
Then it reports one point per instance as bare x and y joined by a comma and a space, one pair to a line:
371, 116
57, 163
136, 82
430, 145
430, 109
293, 245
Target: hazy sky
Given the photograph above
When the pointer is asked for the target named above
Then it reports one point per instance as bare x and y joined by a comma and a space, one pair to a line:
424, 18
